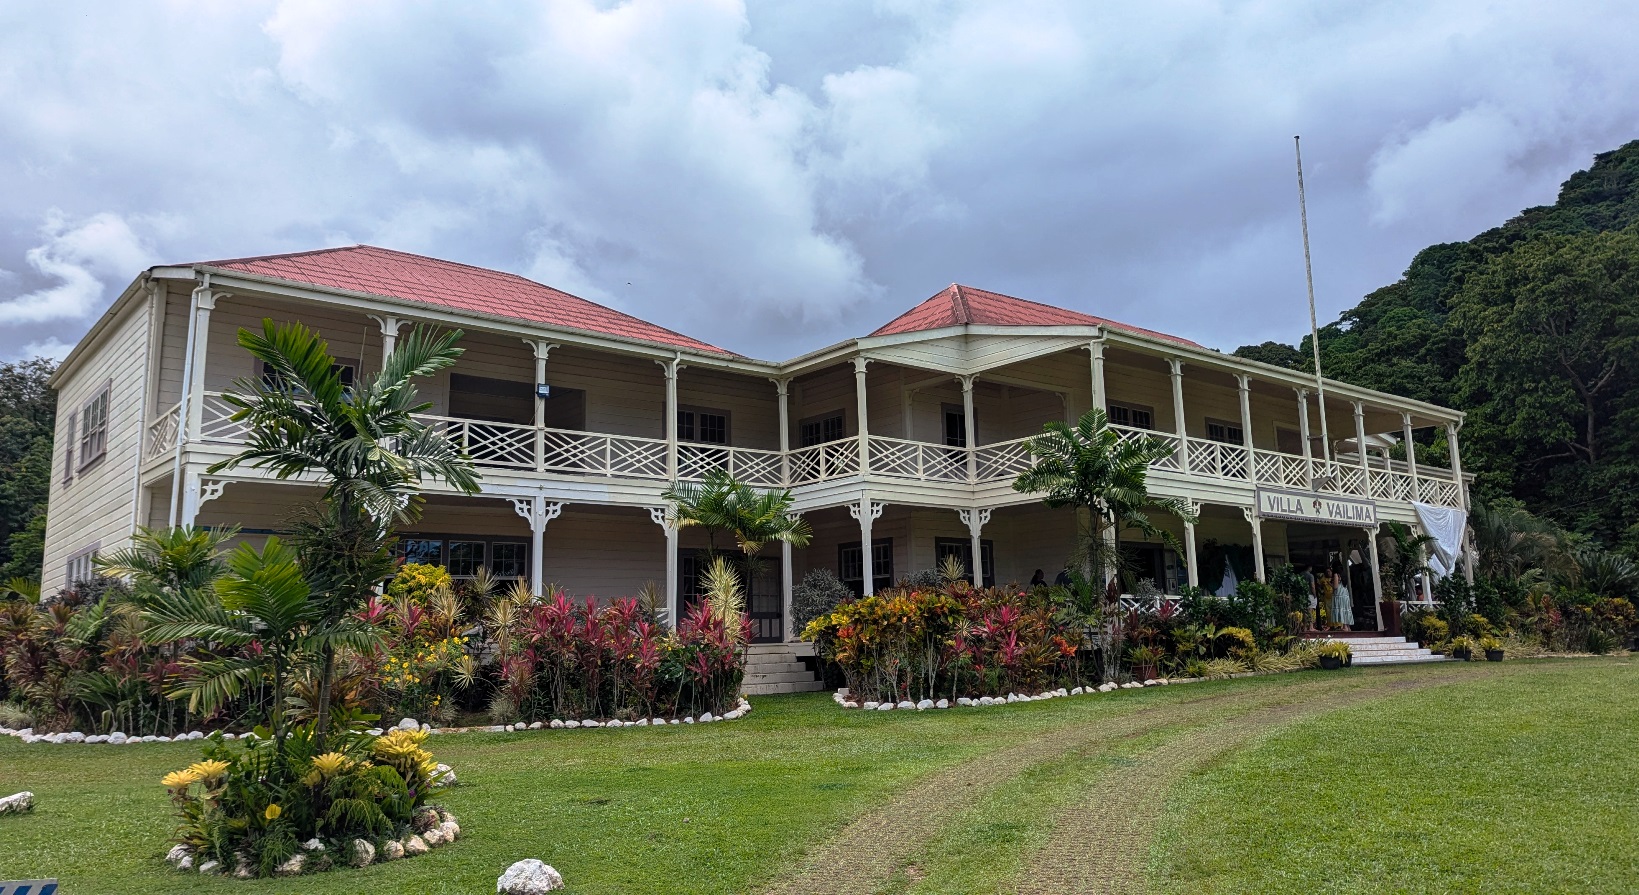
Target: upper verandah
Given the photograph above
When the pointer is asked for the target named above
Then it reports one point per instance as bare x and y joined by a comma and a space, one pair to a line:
460, 294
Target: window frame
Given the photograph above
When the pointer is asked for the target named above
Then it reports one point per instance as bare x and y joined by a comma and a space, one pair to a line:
880, 579
696, 428
946, 413
92, 442
1110, 408
1229, 430
964, 548
86, 558
819, 421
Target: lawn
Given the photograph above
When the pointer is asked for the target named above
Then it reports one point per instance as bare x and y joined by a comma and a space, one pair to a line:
1496, 778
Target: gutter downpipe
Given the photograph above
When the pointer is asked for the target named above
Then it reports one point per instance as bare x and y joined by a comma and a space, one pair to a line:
182, 404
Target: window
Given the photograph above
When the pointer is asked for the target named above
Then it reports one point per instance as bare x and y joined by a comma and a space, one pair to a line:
821, 429
1288, 441
1135, 416
94, 429
491, 400
851, 565
1226, 432
81, 567
462, 557
703, 426
955, 426
962, 549
68, 451
346, 366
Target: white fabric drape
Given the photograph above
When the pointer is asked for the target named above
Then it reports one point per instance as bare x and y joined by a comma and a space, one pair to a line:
1445, 525
1226, 588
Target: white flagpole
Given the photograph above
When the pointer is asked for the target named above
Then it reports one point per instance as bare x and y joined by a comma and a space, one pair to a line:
1314, 326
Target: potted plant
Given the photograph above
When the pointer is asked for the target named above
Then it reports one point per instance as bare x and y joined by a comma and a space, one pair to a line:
1462, 648
1333, 653
1143, 659
1492, 647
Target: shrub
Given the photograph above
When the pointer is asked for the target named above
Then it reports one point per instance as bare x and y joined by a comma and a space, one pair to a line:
817, 594
254, 806
417, 583
1334, 649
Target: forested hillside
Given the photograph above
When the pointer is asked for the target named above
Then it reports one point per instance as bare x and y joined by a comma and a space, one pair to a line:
28, 413
1533, 328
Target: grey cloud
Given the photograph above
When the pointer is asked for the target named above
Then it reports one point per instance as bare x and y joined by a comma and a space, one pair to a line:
779, 176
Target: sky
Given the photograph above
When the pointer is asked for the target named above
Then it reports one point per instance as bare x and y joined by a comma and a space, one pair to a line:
774, 176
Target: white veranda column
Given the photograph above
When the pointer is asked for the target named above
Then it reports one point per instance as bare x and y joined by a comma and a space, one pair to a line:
867, 511
1377, 574
1245, 388
196, 370
970, 432
1462, 495
198, 491
1360, 448
537, 511
1303, 430
662, 516
1193, 573
975, 520
541, 349
786, 585
862, 422
1179, 420
1256, 521
783, 388
1411, 456
671, 367
1095, 348
389, 334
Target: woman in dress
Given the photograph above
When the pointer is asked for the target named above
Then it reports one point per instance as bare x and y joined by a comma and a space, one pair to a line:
1342, 602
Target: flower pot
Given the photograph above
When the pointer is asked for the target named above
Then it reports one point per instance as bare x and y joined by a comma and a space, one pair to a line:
1388, 615
1331, 663
1143, 673
1493, 655
1462, 653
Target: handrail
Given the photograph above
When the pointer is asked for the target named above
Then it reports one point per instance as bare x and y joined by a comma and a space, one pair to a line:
521, 446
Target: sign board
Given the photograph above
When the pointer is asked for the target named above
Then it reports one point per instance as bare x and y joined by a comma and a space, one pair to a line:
1309, 506
28, 887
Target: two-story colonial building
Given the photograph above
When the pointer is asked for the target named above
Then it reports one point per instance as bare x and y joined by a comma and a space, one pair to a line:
900, 446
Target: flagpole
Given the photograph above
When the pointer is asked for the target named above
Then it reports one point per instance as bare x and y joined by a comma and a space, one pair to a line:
1314, 326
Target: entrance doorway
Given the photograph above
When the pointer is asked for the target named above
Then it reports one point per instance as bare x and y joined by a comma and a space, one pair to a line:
1320, 550
763, 590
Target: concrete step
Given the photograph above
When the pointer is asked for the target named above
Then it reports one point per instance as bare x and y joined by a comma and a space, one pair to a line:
1387, 660
776, 668
798, 648
770, 689
783, 677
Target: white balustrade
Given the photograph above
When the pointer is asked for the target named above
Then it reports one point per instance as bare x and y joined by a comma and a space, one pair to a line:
564, 451
162, 432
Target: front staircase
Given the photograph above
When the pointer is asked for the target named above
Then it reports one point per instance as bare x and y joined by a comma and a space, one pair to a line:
1375, 649
780, 668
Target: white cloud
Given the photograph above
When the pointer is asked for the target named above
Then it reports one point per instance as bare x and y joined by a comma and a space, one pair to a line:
779, 176
78, 257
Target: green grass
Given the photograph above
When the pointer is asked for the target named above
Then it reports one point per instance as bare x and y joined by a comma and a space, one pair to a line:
1522, 778
1519, 773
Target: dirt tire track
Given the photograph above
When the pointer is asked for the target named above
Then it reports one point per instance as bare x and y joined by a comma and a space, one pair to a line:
867, 853
1100, 845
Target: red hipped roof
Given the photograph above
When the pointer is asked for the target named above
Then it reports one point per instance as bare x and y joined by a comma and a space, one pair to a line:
961, 305
417, 278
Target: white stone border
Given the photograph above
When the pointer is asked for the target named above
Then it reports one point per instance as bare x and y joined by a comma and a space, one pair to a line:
841, 696
118, 738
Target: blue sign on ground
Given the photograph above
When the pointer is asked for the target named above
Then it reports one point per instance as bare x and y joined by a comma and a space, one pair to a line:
28, 887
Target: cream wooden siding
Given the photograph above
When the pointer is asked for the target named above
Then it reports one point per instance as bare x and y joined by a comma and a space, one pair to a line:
824, 392
834, 527
96, 507
173, 350
349, 335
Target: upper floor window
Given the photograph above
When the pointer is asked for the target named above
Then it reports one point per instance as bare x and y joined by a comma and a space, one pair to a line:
1135, 416
703, 426
1226, 432
94, 428
955, 426
820, 429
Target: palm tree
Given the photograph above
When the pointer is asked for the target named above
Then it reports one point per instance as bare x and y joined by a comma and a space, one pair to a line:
1509, 541
362, 442
1407, 557
169, 559
265, 599
1090, 467
754, 517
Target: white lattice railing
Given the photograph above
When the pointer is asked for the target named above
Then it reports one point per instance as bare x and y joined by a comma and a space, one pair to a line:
488, 444
1283, 470
749, 465
898, 458
216, 423
1173, 461
1001, 461
1214, 458
162, 432
823, 462
594, 453
1386, 484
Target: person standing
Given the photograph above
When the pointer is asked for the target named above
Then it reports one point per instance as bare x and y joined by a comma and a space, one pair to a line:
1342, 602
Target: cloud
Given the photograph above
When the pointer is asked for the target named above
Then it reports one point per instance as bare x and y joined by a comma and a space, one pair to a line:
777, 175
78, 257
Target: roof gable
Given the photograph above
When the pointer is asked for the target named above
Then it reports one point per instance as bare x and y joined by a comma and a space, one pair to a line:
959, 305
417, 278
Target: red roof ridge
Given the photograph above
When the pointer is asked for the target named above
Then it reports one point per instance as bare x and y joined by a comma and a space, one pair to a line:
959, 305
